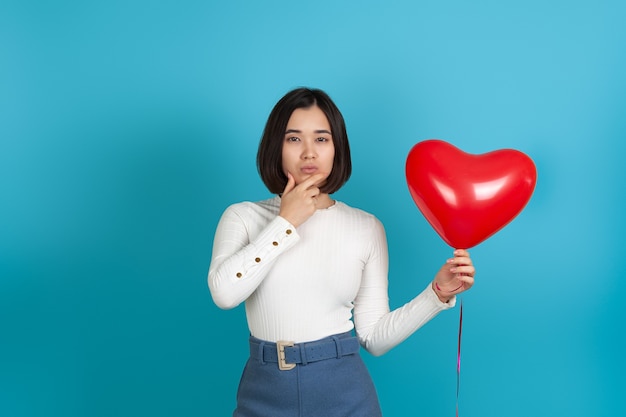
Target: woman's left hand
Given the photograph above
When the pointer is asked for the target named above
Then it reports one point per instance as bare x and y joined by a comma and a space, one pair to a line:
455, 276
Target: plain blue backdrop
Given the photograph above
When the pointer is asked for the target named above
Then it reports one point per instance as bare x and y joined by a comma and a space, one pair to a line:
127, 127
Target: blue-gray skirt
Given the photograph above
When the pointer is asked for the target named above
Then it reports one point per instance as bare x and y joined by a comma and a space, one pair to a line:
327, 379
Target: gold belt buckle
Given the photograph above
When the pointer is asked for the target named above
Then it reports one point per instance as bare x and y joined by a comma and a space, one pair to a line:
280, 349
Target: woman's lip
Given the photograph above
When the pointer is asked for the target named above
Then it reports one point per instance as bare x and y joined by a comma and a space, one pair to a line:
308, 170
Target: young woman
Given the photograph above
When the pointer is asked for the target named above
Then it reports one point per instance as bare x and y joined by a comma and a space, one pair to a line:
311, 271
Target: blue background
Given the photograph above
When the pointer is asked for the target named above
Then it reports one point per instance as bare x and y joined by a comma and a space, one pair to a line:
126, 128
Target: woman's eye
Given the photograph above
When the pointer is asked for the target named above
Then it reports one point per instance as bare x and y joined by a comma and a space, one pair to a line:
293, 139
322, 139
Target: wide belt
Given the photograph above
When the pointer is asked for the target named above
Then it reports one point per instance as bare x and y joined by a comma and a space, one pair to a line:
288, 354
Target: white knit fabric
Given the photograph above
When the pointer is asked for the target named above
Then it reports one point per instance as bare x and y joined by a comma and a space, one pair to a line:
307, 283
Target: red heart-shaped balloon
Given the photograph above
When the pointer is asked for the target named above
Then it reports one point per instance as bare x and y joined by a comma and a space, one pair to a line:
467, 198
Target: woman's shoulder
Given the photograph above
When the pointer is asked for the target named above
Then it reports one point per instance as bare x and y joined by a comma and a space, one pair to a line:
357, 213
255, 208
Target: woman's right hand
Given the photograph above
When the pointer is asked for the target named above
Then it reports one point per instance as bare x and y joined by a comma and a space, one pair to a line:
297, 202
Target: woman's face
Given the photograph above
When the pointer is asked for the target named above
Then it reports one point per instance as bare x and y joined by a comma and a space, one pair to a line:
308, 146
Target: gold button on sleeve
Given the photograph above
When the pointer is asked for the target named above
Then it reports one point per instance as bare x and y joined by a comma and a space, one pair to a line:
239, 274
257, 260
275, 243
288, 231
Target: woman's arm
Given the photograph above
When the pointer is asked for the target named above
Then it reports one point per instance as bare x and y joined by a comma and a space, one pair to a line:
378, 328
240, 262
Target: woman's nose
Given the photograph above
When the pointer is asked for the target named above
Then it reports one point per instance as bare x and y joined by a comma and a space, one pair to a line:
308, 152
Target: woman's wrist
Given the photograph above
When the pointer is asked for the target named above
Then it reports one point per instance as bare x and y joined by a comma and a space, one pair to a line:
444, 296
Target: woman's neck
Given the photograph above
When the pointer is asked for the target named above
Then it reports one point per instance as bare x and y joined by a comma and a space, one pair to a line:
323, 201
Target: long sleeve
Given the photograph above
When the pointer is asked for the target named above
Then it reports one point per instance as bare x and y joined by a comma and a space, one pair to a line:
243, 252
378, 328
305, 284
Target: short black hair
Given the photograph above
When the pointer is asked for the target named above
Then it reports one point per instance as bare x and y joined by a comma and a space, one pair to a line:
269, 155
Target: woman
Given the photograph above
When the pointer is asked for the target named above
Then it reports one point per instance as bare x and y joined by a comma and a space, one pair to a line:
311, 270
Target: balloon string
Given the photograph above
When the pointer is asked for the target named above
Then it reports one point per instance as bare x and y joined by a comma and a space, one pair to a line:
458, 361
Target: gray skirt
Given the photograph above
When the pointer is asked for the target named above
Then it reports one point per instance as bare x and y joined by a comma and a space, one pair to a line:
325, 378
